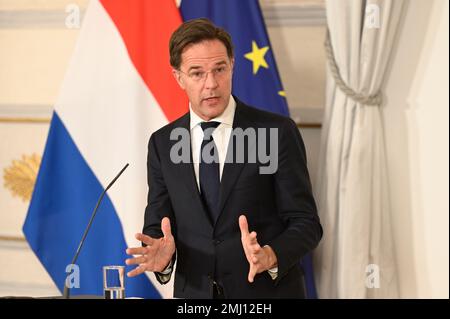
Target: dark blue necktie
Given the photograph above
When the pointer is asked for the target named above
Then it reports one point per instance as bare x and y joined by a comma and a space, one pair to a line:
209, 170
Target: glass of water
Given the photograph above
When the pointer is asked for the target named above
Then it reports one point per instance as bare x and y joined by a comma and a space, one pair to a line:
113, 284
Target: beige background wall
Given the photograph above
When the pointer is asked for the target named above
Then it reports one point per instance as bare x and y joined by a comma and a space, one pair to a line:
417, 130
35, 48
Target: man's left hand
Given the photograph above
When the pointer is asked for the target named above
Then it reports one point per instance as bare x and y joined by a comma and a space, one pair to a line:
259, 258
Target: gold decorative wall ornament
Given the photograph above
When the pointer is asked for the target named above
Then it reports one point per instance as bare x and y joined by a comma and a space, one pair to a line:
20, 177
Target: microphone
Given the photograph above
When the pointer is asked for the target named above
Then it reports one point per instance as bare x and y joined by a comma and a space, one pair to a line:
66, 293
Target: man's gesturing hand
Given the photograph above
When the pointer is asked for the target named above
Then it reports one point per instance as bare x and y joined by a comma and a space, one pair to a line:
156, 255
259, 258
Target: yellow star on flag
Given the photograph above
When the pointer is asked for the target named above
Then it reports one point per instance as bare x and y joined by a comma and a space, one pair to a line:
257, 57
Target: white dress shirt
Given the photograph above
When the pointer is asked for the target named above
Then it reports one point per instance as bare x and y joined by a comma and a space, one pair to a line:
221, 136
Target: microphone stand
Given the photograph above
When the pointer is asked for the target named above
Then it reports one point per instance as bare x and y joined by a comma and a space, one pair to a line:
66, 293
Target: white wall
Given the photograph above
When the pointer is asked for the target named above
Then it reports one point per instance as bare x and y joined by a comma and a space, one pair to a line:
415, 118
417, 132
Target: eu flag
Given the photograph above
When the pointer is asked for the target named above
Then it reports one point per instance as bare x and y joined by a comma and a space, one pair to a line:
255, 80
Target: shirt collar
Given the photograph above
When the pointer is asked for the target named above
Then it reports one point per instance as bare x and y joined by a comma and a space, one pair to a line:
226, 117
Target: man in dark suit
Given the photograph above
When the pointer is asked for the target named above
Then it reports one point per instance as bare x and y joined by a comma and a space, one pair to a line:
236, 221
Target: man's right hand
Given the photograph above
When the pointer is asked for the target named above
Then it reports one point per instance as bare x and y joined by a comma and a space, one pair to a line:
156, 255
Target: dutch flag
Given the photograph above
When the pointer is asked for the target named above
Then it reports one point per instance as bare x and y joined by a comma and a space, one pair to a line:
117, 91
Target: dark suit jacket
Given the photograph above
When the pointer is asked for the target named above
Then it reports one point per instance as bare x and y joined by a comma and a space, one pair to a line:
280, 207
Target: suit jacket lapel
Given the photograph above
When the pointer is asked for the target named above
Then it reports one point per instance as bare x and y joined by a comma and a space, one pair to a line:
231, 170
186, 170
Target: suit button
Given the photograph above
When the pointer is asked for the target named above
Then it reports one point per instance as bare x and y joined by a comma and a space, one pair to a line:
217, 242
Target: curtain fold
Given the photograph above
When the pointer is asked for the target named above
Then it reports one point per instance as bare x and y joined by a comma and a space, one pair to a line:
356, 256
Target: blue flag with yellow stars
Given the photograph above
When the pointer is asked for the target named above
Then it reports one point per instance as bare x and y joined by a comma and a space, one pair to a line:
255, 80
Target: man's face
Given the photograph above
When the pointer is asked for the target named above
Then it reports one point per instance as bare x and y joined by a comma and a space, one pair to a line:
205, 74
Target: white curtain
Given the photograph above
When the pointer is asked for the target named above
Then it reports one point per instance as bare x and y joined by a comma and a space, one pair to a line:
356, 256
